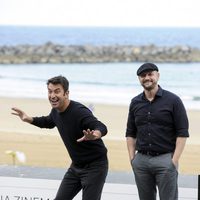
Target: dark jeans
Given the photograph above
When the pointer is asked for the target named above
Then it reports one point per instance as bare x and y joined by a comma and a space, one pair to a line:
152, 172
90, 178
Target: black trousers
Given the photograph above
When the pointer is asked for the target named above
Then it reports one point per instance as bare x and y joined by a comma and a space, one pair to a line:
90, 178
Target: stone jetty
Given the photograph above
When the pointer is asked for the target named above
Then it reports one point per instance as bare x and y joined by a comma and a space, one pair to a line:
56, 53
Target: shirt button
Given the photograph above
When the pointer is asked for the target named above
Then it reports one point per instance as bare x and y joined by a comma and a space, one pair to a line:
149, 113
150, 145
149, 134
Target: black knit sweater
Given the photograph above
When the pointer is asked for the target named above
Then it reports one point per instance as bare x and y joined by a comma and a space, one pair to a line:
70, 125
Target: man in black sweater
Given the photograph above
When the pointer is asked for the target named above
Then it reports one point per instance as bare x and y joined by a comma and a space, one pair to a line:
81, 133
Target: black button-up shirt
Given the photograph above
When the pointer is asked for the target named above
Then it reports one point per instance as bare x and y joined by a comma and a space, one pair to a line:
158, 123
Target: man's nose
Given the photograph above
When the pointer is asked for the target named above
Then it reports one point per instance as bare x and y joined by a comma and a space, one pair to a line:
52, 95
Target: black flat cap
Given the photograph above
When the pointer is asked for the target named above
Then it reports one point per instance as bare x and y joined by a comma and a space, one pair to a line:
147, 67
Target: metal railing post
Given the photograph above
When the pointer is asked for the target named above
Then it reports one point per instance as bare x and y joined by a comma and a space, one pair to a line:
199, 187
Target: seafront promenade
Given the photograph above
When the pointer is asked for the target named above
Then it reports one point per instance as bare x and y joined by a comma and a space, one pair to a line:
41, 184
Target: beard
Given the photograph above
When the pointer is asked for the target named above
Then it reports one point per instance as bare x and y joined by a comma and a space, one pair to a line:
149, 85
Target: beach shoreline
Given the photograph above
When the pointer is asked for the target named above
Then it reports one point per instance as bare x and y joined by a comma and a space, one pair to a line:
44, 148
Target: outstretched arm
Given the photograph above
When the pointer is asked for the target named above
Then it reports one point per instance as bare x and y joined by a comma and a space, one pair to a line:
22, 115
90, 135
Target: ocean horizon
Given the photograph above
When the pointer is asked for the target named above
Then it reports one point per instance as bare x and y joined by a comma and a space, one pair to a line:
159, 36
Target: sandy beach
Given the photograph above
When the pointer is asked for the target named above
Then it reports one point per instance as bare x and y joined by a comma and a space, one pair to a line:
44, 147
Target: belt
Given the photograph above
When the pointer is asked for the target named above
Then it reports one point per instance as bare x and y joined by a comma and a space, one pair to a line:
151, 153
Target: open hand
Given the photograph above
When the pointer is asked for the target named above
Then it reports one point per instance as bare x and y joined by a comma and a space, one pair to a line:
21, 114
90, 135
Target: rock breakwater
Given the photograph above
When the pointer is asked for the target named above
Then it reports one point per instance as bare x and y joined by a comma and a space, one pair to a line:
55, 53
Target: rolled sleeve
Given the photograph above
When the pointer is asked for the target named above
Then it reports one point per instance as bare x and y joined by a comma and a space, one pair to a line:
180, 119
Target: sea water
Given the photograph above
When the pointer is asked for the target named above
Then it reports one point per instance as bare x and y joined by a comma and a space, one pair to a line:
109, 83
162, 36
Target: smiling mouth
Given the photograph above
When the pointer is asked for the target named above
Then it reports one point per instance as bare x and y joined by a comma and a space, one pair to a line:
147, 82
54, 101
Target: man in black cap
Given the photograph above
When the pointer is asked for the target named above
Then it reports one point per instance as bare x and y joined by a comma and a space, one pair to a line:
157, 129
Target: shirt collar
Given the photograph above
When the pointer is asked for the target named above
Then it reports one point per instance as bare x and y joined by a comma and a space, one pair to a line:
158, 94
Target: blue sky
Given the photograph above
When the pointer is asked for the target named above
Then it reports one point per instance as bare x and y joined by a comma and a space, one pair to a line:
178, 13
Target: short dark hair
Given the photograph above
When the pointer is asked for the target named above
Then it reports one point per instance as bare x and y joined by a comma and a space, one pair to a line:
59, 80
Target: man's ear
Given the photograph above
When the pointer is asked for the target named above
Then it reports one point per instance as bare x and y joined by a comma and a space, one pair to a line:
67, 93
158, 75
